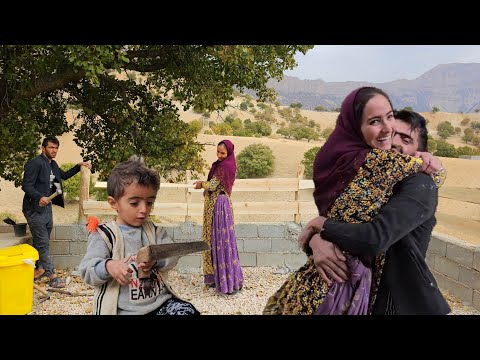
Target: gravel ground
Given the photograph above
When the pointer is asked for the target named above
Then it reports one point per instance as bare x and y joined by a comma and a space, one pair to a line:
260, 283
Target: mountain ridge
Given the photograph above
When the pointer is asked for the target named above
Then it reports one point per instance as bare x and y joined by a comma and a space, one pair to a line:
453, 88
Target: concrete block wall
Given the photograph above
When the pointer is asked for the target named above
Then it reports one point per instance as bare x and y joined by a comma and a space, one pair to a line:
259, 244
456, 266
454, 263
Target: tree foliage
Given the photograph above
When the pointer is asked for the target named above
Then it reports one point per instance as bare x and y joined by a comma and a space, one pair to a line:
121, 114
255, 161
308, 159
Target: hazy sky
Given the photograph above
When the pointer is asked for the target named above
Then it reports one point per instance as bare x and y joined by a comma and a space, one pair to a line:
378, 63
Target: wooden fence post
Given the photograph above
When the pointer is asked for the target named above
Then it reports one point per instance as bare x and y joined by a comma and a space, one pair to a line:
188, 194
301, 169
84, 191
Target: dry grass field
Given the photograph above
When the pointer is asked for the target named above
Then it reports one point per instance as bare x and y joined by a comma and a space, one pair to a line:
460, 219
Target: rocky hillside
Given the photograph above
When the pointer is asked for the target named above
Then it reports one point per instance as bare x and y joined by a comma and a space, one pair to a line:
453, 88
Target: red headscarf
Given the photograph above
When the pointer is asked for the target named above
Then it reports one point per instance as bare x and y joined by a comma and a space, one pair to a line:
225, 170
337, 163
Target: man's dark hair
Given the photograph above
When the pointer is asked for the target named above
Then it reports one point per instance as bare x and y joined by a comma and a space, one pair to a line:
417, 123
51, 139
128, 172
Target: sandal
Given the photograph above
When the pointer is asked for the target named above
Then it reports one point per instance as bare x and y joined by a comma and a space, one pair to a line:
57, 282
38, 273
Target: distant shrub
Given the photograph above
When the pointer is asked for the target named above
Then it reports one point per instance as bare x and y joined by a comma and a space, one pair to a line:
297, 105
71, 187
445, 149
195, 125
255, 161
431, 144
307, 161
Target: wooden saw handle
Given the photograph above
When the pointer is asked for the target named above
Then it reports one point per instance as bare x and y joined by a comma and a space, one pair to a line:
53, 195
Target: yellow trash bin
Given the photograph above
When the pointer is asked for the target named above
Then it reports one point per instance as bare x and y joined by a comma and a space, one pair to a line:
16, 279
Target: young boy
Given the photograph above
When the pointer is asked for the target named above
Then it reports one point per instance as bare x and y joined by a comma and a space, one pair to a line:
110, 261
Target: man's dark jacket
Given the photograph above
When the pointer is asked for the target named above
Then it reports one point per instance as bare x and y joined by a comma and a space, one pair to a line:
402, 228
36, 182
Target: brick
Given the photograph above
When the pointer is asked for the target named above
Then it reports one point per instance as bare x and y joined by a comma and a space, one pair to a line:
476, 259
79, 233
78, 248
187, 232
440, 279
270, 259
248, 259
170, 230
257, 245
476, 299
284, 245
240, 245
246, 230
271, 230
437, 246
293, 230
430, 259
446, 267
63, 232
66, 261
59, 247
469, 277
190, 261
461, 291
460, 254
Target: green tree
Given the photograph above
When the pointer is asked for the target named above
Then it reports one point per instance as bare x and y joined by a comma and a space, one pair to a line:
255, 161
445, 129
320, 108
119, 116
408, 108
221, 129
296, 105
308, 158
71, 187
195, 125
445, 149
431, 144
326, 133
435, 109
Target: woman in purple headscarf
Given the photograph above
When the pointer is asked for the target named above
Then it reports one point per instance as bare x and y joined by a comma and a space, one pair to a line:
354, 174
221, 265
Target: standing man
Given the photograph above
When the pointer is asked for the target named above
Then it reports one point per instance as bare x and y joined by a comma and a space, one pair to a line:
40, 174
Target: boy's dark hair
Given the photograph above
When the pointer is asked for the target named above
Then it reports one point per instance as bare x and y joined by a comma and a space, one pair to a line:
128, 172
417, 123
51, 139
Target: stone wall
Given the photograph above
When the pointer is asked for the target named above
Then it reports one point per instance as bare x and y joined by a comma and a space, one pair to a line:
454, 263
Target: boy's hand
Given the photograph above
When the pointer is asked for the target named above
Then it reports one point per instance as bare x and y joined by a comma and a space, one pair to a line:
197, 184
120, 270
147, 266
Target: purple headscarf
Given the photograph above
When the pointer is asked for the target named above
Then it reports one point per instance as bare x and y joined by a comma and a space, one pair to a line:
225, 170
337, 163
